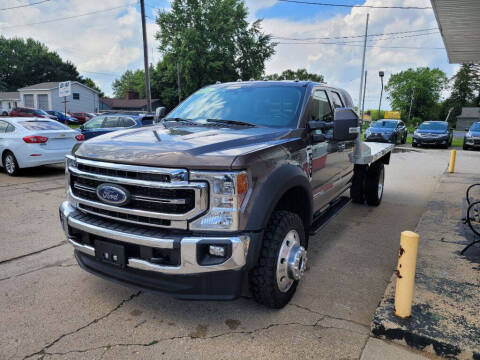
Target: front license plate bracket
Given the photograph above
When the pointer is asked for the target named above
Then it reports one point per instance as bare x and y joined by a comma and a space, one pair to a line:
109, 253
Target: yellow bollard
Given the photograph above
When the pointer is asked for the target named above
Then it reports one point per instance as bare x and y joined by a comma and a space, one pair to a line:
407, 260
451, 166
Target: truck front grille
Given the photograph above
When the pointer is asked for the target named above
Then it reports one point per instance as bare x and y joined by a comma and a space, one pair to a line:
157, 197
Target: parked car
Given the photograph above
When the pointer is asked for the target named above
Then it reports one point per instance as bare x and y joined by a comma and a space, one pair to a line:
112, 122
386, 130
3, 112
28, 142
433, 133
472, 137
29, 112
64, 118
81, 116
227, 188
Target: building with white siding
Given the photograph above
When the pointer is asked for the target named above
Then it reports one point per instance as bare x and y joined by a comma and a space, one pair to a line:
9, 100
45, 96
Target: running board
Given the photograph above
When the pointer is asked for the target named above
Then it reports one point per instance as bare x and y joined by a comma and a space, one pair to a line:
333, 210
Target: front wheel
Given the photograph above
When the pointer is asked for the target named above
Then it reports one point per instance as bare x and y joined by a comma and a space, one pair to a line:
282, 261
10, 164
374, 184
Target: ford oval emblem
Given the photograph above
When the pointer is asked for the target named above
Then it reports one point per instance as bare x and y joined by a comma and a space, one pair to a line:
113, 194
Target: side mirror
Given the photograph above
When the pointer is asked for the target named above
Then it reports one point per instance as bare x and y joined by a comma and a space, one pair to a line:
160, 113
467, 129
345, 124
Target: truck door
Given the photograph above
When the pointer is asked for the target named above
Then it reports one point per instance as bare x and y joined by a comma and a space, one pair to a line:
325, 159
344, 147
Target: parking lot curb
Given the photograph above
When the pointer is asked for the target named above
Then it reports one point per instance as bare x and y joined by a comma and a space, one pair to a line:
445, 314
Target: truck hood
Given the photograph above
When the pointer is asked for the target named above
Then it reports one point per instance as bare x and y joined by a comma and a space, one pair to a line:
191, 147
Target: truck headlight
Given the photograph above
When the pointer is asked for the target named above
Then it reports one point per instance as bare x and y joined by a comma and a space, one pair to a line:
70, 162
228, 192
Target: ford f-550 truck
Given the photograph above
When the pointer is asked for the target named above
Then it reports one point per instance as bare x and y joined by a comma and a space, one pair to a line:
227, 186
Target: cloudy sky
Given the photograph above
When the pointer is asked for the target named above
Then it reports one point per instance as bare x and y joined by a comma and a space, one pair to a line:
103, 38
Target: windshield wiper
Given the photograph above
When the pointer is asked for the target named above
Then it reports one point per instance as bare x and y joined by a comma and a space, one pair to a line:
231, 122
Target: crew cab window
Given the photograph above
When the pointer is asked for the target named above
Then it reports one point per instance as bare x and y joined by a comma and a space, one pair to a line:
147, 120
337, 100
3, 126
321, 110
111, 122
95, 123
125, 122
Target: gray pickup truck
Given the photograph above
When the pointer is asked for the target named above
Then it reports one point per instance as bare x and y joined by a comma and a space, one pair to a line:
227, 187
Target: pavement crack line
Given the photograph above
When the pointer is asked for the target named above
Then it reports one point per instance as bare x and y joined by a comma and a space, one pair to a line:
173, 338
49, 266
33, 253
44, 352
330, 316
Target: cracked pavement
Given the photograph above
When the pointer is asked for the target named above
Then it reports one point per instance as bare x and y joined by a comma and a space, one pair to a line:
51, 309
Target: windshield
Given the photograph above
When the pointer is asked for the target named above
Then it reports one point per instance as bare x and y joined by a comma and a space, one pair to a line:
41, 112
475, 127
385, 124
433, 126
43, 125
272, 106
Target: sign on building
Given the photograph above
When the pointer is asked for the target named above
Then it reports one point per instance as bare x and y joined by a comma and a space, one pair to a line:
65, 89
392, 115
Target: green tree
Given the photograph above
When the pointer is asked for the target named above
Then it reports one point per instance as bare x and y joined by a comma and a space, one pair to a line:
211, 41
424, 85
91, 84
28, 62
466, 83
130, 80
300, 74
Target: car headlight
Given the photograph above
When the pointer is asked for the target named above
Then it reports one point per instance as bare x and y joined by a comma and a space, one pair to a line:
367, 132
468, 135
228, 193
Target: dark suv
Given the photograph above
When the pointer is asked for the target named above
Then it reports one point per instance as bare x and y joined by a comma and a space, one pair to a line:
385, 130
433, 133
228, 186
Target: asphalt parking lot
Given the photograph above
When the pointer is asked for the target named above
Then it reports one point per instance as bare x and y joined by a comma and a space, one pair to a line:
51, 309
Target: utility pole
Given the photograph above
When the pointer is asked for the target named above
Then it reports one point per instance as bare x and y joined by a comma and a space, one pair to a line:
363, 100
363, 64
145, 58
358, 140
381, 74
411, 103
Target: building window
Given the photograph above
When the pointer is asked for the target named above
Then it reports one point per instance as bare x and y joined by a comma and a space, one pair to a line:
76, 96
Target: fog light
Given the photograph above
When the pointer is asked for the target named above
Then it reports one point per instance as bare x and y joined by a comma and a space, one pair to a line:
216, 250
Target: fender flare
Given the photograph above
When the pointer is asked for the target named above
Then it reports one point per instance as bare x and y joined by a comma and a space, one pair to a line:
278, 183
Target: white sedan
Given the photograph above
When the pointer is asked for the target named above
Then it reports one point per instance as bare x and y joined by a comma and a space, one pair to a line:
28, 142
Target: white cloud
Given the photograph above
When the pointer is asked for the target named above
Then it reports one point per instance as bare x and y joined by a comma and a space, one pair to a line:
108, 42
341, 65
111, 42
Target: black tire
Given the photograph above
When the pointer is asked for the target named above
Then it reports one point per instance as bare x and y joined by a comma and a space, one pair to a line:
263, 278
394, 140
404, 141
375, 178
414, 144
10, 164
357, 190
465, 147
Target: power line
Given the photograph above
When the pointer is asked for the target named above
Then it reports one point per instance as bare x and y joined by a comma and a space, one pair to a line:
68, 17
356, 6
355, 36
26, 5
369, 46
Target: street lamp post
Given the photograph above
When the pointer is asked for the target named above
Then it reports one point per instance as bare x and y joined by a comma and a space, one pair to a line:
381, 74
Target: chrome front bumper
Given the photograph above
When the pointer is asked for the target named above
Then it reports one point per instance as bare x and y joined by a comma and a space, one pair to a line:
188, 246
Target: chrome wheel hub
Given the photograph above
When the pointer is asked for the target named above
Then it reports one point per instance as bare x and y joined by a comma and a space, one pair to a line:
291, 262
380, 183
10, 164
